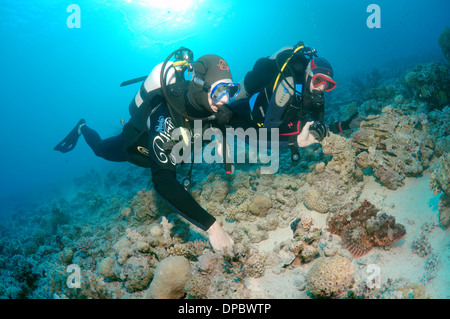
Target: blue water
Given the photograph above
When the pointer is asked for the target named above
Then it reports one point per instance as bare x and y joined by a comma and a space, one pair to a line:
52, 75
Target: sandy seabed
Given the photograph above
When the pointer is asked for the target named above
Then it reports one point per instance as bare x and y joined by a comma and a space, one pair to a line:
413, 205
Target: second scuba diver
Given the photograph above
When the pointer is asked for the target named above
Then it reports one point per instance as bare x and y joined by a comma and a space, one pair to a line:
285, 91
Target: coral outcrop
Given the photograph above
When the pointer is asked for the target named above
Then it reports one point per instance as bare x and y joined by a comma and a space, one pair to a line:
364, 228
440, 183
170, 277
330, 278
440, 176
430, 83
305, 244
337, 183
216, 276
394, 146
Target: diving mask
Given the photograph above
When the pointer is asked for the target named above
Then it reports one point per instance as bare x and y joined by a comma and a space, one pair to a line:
319, 79
218, 91
224, 88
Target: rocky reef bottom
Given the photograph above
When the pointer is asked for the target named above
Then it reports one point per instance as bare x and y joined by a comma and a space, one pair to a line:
103, 238
364, 215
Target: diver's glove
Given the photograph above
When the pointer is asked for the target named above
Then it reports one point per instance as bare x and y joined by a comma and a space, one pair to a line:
319, 130
353, 122
223, 115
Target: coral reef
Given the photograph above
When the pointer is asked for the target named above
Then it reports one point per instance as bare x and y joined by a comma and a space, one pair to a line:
394, 146
364, 228
143, 205
430, 83
440, 176
305, 244
440, 182
122, 236
215, 276
440, 127
337, 183
330, 278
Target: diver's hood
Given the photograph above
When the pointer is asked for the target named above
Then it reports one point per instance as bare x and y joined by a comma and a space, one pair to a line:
318, 66
209, 68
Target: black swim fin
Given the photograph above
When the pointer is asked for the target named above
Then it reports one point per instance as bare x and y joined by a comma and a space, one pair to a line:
132, 81
69, 142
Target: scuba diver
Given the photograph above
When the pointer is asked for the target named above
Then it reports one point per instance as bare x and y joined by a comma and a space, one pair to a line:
165, 101
285, 91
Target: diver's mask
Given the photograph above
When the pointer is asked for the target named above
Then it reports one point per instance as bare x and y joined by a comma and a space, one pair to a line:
219, 90
319, 79
319, 72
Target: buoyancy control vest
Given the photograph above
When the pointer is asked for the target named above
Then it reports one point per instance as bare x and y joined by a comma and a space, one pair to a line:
148, 98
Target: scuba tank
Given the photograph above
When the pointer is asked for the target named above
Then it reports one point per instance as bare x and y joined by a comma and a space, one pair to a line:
152, 82
135, 131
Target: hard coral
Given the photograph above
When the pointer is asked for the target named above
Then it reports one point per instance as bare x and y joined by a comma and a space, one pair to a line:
394, 146
330, 278
337, 183
440, 182
143, 205
440, 176
430, 83
170, 277
305, 243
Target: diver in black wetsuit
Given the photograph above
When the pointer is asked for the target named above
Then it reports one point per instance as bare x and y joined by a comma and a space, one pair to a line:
286, 91
155, 113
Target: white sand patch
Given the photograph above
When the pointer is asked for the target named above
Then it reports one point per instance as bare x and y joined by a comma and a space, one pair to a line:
413, 205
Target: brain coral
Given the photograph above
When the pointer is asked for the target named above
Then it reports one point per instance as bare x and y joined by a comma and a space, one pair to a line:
170, 277
314, 201
330, 278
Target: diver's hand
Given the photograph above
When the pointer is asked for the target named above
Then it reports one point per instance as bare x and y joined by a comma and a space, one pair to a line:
220, 240
319, 130
305, 138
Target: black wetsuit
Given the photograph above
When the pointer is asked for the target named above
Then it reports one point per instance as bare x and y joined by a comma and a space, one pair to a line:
261, 109
163, 167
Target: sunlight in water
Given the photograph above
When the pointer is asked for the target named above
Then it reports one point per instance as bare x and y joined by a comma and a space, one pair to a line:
175, 5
